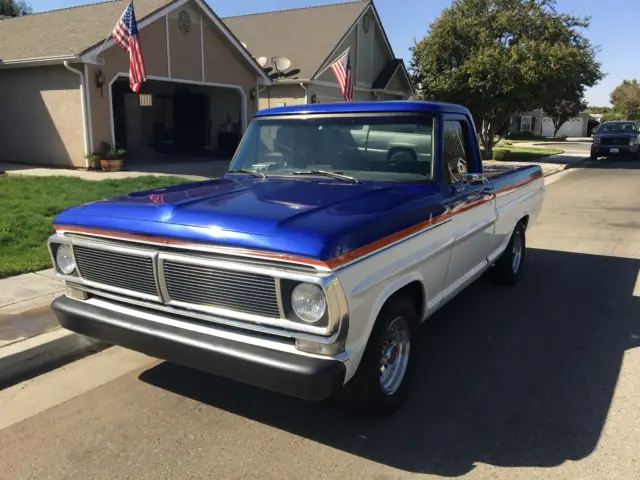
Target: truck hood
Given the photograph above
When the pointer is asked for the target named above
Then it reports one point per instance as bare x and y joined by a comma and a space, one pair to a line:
319, 219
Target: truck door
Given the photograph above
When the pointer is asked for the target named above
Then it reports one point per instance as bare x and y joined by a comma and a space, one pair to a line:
472, 207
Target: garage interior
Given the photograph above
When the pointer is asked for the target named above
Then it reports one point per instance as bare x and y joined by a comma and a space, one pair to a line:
166, 120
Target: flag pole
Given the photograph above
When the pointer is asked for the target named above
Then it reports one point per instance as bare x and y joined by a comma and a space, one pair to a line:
329, 66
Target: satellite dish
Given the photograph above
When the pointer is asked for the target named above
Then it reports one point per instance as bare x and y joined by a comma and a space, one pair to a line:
281, 63
262, 61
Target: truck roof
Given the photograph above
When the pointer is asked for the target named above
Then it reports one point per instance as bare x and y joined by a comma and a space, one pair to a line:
366, 107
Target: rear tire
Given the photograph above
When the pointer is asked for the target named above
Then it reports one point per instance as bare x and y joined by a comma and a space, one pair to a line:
383, 380
508, 268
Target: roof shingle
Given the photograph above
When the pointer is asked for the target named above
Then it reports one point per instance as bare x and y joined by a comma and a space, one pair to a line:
306, 36
66, 32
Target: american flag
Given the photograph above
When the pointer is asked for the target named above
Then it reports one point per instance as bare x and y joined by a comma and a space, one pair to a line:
342, 70
125, 34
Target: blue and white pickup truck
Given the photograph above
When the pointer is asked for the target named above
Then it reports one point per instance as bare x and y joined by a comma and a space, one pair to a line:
308, 267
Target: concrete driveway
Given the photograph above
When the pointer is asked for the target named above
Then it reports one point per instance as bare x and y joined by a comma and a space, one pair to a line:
537, 381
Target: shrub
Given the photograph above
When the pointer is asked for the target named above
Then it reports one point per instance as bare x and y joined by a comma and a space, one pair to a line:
501, 154
559, 138
93, 161
526, 136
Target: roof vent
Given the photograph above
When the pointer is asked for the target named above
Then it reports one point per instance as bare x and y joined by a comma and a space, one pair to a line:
184, 22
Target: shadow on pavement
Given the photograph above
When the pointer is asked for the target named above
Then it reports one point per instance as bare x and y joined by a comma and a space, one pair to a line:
509, 377
629, 163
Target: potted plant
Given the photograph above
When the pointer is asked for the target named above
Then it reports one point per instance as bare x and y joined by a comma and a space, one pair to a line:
112, 160
93, 161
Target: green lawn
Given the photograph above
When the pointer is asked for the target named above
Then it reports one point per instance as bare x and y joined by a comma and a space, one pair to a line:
28, 206
523, 154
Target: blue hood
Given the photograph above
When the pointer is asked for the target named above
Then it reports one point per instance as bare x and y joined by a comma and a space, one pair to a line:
318, 219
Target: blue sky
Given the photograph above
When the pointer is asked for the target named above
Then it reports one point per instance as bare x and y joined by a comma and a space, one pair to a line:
614, 26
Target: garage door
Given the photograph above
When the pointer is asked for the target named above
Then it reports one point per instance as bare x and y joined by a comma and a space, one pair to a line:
572, 128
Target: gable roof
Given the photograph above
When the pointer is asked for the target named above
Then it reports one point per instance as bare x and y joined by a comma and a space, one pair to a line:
306, 36
71, 32
67, 32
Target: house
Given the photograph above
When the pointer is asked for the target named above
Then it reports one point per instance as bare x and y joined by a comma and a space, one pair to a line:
312, 39
64, 90
536, 121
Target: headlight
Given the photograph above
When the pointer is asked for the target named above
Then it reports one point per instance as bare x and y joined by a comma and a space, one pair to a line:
308, 302
64, 259
633, 141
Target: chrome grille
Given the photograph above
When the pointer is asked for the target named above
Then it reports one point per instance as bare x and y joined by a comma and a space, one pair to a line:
615, 141
120, 270
203, 285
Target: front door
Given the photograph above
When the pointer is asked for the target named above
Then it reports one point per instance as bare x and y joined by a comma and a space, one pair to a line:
472, 207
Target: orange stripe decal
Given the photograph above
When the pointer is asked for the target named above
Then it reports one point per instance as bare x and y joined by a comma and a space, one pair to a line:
324, 265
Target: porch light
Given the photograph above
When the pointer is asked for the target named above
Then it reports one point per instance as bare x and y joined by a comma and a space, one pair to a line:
100, 80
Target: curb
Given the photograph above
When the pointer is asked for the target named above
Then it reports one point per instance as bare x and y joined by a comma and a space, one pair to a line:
52, 349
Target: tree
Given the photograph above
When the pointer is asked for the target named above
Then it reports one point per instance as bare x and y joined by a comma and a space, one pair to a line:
625, 99
14, 8
501, 57
563, 111
602, 110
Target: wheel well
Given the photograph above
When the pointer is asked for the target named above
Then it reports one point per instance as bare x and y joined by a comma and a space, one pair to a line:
525, 221
415, 293
402, 149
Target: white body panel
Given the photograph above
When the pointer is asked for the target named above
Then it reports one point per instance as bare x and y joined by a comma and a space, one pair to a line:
476, 237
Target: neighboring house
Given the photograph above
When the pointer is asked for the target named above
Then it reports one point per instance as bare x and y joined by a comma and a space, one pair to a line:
58, 101
313, 38
536, 122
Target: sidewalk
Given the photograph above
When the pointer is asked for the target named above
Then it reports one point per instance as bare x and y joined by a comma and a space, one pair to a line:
189, 171
550, 165
30, 336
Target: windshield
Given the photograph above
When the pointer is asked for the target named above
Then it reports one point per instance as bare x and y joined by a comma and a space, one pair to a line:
377, 148
618, 128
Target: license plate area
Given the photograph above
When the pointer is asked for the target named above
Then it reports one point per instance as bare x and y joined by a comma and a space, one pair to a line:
614, 150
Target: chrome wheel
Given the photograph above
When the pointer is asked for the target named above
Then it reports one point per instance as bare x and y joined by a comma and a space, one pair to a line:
516, 252
394, 358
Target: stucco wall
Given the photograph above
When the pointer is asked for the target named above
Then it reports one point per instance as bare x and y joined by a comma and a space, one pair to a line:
282, 95
41, 117
223, 64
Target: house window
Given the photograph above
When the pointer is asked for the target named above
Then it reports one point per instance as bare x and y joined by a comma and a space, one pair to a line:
526, 124
146, 100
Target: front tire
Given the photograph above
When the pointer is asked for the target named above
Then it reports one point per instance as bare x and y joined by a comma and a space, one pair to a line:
508, 269
593, 157
383, 380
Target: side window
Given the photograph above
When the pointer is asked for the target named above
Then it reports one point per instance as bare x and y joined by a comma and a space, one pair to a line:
456, 156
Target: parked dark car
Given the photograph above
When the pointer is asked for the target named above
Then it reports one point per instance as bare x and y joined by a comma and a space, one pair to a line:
615, 138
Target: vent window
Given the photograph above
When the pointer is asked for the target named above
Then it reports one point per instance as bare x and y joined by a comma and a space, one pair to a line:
184, 22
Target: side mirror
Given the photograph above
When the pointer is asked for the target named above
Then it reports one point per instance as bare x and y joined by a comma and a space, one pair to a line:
474, 178
469, 179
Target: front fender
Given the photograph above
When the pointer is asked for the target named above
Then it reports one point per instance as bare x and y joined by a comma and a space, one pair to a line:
365, 306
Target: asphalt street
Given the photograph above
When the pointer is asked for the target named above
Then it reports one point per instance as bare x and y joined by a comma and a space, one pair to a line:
537, 381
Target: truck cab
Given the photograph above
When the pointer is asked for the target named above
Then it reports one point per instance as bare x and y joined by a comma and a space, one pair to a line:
308, 268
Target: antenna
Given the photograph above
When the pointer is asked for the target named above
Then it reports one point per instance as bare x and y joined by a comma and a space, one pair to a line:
262, 61
281, 63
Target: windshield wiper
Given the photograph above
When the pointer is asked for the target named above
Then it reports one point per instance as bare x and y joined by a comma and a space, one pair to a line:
339, 176
248, 172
